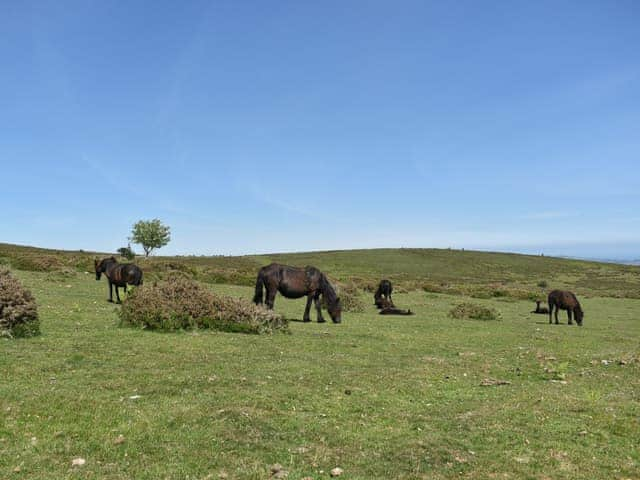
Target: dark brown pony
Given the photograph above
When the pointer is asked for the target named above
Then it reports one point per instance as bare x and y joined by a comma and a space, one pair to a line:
383, 303
293, 282
564, 300
382, 297
395, 311
540, 309
118, 274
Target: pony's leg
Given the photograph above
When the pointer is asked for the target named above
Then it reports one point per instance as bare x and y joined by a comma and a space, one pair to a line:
557, 308
569, 315
306, 317
110, 292
271, 297
117, 294
319, 308
125, 288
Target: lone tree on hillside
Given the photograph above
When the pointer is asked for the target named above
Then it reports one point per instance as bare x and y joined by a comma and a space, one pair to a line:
151, 234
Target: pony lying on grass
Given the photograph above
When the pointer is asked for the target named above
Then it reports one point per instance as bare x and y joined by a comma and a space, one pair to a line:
540, 309
387, 307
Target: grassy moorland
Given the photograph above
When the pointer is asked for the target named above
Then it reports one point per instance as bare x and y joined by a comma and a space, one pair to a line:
425, 396
479, 274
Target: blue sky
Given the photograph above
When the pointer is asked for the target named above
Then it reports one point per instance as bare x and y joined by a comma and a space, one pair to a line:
253, 126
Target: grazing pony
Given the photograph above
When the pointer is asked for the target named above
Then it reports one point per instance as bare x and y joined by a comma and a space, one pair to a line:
382, 297
564, 300
294, 282
540, 309
118, 274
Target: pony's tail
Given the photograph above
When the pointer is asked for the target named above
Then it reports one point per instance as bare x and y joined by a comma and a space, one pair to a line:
258, 297
137, 277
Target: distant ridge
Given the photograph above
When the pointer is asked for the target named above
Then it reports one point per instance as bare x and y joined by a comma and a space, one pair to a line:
620, 261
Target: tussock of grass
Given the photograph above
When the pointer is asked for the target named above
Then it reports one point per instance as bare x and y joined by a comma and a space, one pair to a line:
474, 312
18, 310
180, 303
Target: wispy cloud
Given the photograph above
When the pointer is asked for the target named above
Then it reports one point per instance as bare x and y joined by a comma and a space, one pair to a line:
290, 201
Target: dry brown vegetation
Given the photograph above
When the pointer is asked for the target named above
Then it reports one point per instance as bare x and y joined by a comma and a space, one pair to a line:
18, 310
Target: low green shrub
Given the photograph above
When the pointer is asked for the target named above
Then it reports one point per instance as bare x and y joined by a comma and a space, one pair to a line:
473, 311
37, 263
127, 253
227, 276
18, 310
180, 303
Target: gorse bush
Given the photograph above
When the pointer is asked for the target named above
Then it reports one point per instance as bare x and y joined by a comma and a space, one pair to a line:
18, 310
474, 312
180, 303
350, 298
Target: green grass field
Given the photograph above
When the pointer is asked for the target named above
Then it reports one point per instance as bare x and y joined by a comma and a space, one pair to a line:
380, 397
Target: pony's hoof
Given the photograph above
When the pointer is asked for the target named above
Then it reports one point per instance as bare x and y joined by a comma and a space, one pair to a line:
306, 320
322, 320
110, 301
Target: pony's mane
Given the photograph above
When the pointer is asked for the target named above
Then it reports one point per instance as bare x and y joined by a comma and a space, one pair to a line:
107, 261
327, 290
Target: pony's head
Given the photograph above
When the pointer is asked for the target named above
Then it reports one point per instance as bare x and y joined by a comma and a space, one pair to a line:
579, 314
101, 266
332, 301
335, 310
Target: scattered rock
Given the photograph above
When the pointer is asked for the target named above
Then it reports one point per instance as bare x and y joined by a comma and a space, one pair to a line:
278, 472
135, 397
17, 469
78, 462
336, 472
490, 382
119, 440
605, 362
459, 458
